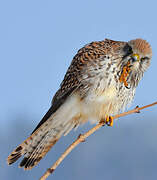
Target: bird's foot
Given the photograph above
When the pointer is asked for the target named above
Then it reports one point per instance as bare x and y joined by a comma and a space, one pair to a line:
108, 121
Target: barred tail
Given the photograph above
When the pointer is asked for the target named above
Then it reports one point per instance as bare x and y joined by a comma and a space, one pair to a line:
39, 143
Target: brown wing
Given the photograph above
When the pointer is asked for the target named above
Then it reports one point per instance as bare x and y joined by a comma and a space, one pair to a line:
73, 77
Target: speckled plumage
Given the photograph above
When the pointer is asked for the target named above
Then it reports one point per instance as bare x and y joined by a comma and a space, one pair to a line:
91, 90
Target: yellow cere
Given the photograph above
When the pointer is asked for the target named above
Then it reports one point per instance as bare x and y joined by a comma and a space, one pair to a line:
136, 57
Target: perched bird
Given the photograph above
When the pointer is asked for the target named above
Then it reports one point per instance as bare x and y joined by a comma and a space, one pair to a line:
100, 82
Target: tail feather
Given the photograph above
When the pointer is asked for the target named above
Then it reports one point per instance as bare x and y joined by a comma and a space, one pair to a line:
15, 155
21, 149
38, 144
35, 156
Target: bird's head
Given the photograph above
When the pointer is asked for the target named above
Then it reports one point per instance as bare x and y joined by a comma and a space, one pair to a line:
141, 54
138, 54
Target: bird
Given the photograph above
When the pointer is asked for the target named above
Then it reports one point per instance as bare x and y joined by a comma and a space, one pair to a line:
99, 83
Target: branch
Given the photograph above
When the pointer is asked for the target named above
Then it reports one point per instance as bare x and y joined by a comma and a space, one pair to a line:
82, 137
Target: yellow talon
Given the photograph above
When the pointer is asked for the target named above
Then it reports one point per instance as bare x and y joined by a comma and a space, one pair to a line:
109, 120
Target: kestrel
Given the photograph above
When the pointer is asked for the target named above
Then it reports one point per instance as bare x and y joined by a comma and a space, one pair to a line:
100, 82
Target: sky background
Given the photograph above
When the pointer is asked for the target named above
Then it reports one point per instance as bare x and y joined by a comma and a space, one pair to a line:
38, 40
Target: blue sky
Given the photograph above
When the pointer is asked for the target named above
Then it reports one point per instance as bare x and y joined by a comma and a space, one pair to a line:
38, 40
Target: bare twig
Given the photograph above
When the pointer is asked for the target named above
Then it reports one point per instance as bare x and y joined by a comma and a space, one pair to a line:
82, 137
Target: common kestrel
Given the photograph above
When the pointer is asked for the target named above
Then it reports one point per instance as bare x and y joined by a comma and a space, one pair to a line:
99, 83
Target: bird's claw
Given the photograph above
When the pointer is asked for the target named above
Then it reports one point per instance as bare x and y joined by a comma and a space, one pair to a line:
125, 74
109, 120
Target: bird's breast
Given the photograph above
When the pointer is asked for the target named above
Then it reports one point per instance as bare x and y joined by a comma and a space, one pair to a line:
105, 95
99, 103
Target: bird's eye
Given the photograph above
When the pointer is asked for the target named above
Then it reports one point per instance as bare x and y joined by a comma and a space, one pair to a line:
136, 57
